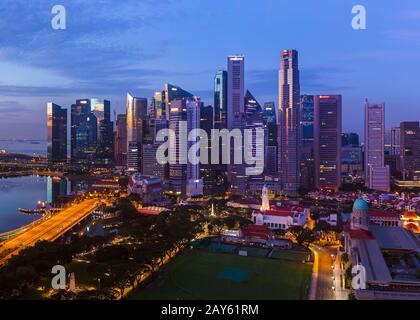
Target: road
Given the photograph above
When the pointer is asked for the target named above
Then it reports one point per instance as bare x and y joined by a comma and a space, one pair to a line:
48, 230
322, 275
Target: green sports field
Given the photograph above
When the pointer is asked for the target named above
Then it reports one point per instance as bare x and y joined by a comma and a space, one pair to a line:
207, 275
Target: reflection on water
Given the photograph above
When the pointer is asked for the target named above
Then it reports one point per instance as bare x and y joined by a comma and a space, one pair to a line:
25, 192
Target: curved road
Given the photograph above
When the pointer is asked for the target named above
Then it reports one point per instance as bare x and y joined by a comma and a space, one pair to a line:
48, 230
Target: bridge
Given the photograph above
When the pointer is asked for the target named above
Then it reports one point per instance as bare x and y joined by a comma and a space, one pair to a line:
48, 230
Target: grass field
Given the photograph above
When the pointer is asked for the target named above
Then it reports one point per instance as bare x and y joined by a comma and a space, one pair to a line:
207, 275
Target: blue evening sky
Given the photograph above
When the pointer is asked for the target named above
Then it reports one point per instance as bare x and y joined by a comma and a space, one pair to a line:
111, 47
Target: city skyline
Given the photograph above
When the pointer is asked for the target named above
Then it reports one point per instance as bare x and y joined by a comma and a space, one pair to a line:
357, 67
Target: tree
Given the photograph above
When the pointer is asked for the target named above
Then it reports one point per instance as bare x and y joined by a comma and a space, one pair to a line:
302, 235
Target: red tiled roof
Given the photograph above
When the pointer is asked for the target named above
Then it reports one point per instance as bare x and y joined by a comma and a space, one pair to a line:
286, 211
253, 230
361, 234
382, 213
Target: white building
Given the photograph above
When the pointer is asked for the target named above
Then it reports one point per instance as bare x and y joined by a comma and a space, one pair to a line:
281, 218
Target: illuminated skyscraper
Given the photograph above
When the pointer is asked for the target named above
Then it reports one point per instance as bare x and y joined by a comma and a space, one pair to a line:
57, 133
376, 173
171, 93
184, 175
289, 99
105, 145
84, 133
410, 150
220, 100
236, 118
327, 141
136, 113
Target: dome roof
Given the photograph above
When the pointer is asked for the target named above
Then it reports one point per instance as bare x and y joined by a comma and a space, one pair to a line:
409, 215
412, 227
360, 205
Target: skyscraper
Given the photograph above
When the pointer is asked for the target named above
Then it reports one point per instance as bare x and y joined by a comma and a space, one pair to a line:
289, 98
327, 141
136, 113
235, 90
184, 176
57, 133
220, 100
105, 145
307, 165
271, 153
84, 133
410, 150
376, 174
171, 93
121, 141
236, 118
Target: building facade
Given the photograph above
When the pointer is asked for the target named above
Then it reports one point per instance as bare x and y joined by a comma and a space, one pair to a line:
136, 115
410, 150
376, 173
289, 100
121, 141
327, 141
56, 133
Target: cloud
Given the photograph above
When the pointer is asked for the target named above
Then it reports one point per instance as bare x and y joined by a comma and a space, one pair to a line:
102, 48
406, 35
12, 108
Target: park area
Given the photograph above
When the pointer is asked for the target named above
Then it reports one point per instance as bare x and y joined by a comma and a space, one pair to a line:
221, 273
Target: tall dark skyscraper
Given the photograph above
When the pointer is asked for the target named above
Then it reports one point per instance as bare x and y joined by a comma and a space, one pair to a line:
307, 165
289, 99
84, 133
410, 150
105, 139
136, 114
208, 172
121, 141
220, 100
269, 118
327, 141
57, 133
